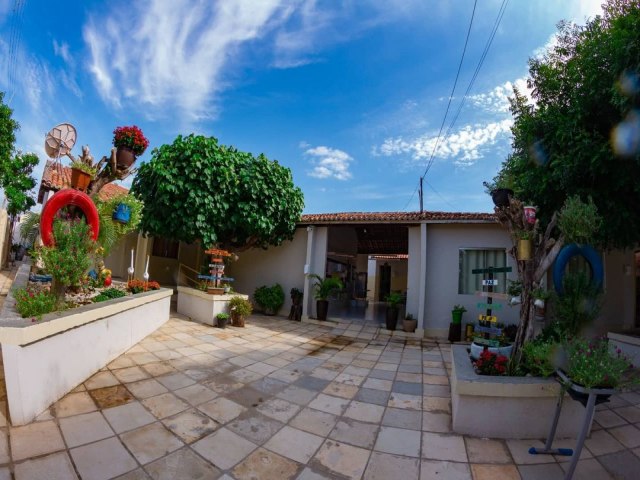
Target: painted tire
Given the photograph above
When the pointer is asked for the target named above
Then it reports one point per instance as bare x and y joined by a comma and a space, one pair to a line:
62, 199
569, 251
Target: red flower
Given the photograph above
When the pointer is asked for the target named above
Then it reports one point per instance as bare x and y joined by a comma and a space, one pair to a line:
131, 137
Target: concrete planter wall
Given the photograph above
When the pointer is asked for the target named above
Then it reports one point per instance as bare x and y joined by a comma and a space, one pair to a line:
44, 360
628, 343
201, 306
507, 407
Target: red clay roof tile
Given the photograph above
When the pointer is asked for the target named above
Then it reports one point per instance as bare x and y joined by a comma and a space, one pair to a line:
395, 217
56, 177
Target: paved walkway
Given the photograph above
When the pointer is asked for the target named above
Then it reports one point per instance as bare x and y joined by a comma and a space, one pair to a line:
286, 400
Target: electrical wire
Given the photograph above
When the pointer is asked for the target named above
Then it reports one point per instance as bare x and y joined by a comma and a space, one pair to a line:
455, 83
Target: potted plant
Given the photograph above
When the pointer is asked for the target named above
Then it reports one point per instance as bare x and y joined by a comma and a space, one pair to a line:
240, 308
125, 207
222, 319
81, 175
409, 324
270, 299
525, 245
131, 143
456, 314
501, 189
323, 288
296, 296
394, 299
540, 297
514, 290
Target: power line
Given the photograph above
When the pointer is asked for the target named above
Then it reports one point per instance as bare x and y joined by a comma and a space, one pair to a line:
455, 83
503, 7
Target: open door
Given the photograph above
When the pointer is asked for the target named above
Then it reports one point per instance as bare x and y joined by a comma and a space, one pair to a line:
385, 282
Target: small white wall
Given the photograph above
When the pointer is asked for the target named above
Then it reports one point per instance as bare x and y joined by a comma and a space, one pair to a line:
283, 265
443, 244
203, 307
43, 371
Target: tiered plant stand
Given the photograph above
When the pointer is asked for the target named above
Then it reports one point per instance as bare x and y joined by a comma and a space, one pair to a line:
216, 272
589, 398
487, 322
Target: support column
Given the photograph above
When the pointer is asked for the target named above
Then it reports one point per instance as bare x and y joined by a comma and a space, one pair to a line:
423, 278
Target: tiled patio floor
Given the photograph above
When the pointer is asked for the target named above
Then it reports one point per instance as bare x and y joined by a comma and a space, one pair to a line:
285, 400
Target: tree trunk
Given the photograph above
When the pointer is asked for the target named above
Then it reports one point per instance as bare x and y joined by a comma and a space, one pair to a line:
58, 290
530, 272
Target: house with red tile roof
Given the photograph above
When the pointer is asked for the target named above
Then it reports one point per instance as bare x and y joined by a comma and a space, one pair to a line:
427, 257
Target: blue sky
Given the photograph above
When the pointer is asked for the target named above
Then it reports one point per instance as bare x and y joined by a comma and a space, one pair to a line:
349, 95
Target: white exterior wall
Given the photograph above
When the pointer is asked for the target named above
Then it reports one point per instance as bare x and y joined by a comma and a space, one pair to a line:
618, 309
443, 244
283, 265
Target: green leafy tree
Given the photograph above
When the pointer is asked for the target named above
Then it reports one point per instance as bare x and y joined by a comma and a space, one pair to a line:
573, 155
574, 138
17, 181
196, 189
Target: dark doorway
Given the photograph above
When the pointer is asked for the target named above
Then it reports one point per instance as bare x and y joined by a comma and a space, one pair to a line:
385, 282
637, 273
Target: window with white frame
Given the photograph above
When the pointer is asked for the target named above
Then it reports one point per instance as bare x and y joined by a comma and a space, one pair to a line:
475, 258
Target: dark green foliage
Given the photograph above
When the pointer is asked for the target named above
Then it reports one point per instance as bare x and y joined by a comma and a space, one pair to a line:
108, 294
34, 302
69, 259
539, 357
269, 298
562, 143
17, 182
241, 306
197, 189
112, 231
579, 305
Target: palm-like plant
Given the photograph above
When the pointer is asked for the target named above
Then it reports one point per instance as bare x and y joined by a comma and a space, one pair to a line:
325, 286
30, 227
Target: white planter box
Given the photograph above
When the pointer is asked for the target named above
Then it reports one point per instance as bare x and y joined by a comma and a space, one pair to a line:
507, 407
629, 344
203, 307
44, 360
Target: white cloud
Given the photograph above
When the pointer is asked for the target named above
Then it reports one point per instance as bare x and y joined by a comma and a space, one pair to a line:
172, 54
62, 51
329, 163
497, 100
465, 146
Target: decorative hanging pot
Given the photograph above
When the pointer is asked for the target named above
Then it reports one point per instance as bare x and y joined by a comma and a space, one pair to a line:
122, 213
80, 180
525, 248
125, 156
500, 196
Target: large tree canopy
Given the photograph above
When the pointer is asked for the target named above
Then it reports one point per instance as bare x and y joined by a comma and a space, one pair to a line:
15, 168
197, 189
580, 136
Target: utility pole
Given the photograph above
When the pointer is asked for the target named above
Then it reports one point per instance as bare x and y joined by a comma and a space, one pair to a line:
420, 195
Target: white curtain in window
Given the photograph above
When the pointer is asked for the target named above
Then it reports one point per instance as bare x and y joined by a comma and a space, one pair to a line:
470, 259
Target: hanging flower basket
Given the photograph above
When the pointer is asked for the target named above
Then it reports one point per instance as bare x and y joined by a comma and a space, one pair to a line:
500, 196
122, 213
131, 142
80, 180
525, 249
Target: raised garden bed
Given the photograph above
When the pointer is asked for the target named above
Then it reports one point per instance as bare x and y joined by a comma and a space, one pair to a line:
203, 307
46, 359
507, 407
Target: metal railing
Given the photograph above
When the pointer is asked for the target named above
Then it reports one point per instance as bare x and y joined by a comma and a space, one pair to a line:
184, 277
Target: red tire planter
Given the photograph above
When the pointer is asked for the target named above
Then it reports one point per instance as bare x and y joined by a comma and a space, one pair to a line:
62, 199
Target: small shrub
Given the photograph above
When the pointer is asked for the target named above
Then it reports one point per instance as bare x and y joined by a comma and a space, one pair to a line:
240, 306
222, 316
108, 294
538, 358
33, 302
269, 298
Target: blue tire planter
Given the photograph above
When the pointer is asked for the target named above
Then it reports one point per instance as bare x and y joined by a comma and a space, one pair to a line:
591, 256
122, 213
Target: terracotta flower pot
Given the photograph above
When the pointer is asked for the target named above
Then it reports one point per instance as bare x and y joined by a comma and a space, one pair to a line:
80, 180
